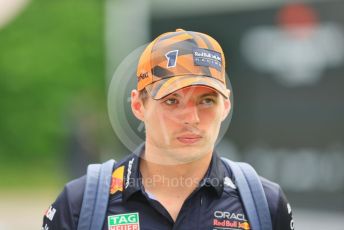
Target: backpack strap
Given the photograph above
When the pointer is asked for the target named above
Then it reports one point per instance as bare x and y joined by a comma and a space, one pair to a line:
258, 194
96, 196
251, 193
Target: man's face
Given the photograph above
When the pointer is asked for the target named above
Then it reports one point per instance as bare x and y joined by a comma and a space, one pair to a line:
185, 124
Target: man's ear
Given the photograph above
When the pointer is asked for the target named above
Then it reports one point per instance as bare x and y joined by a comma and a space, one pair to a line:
137, 105
228, 106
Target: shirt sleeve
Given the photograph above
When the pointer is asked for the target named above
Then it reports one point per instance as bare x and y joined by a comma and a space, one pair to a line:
63, 214
284, 217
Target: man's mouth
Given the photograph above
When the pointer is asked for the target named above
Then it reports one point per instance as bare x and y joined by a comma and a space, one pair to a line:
189, 138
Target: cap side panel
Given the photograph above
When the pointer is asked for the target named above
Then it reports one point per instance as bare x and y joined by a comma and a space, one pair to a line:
144, 76
185, 66
183, 47
164, 43
213, 45
169, 35
161, 72
206, 71
200, 42
186, 61
206, 40
218, 48
214, 72
159, 57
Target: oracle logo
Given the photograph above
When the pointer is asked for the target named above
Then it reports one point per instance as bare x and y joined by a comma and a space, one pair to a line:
229, 215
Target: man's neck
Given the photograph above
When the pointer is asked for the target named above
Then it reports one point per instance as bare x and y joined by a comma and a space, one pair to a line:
171, 184
167, 177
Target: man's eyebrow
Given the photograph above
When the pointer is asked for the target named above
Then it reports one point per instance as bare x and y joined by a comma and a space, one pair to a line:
214, 94
175, 94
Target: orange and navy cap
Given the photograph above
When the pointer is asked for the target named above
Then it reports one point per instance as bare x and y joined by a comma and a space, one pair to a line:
175, 60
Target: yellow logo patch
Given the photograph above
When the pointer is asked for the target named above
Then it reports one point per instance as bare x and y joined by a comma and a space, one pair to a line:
244, 225
117, 180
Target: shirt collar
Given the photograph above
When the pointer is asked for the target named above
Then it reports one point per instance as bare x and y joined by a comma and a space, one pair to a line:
132, 176
213, 179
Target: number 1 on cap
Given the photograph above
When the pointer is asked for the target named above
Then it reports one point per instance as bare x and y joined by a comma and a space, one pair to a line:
171, 58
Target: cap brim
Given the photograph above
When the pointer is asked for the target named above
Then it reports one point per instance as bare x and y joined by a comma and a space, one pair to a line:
164, 87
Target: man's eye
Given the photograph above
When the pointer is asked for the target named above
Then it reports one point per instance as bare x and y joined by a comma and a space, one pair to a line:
208, 101
171, 101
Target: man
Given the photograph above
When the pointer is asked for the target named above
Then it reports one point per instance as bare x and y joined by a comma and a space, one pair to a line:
175, 180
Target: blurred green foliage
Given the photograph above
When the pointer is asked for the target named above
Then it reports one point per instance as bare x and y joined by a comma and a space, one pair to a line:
50, 54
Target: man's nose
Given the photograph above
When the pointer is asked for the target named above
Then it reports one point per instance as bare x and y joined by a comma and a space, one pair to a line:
190, 115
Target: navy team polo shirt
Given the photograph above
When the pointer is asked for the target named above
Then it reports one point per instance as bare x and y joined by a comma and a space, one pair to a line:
215, 204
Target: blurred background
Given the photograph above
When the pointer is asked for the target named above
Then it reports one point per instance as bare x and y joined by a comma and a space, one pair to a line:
285, 61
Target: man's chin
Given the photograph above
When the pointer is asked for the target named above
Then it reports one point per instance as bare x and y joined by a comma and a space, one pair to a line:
187, 154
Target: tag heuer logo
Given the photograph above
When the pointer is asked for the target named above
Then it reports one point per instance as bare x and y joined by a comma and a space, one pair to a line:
128, 221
